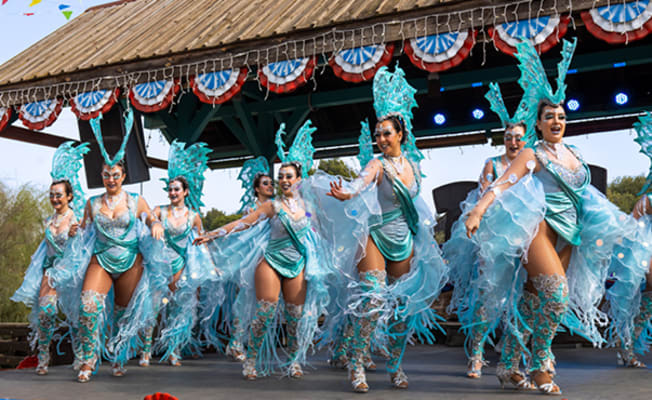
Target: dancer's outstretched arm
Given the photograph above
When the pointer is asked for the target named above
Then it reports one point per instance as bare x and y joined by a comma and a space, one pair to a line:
265, 210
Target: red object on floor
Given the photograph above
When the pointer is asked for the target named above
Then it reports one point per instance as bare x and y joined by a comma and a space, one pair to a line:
28, 362
160, 396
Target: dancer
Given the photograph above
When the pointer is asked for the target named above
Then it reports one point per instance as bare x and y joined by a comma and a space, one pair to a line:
399, 246
630, 297
461, 253
274, 249
259, 189
191, 265
564, 236
117, 251
37, 290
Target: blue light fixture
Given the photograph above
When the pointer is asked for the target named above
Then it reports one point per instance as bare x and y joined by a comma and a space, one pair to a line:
439, 119
621, 98
573, 105
478, 113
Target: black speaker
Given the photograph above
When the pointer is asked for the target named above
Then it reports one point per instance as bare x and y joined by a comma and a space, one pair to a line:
113, 130
599, 178
447, 199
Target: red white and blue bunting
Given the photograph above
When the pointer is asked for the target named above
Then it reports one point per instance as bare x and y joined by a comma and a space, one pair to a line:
5, 115
153, 96
287, 76
91, 104
543, 32
361, 63
435, 53
620, 23
218, 87
40, 114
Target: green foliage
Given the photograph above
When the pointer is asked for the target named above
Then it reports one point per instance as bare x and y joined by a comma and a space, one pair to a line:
22, 212
216, 218
623, 191
337, 167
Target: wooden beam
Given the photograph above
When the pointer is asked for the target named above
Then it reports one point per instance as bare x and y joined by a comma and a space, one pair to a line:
49, 140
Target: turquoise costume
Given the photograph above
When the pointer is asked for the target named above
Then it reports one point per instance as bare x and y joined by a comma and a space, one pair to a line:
66, 164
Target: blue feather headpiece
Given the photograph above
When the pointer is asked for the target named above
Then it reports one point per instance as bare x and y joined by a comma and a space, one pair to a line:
66, 164
393, 96
366, 150
643, 129
97, 132
190, 163
301, 151
251, 169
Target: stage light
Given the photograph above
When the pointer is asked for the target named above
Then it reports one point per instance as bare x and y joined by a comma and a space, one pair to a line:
439, 119
621, 99
478, 113
573, 104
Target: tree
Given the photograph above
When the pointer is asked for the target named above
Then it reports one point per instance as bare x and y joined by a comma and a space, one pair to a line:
336, 166
623, 191
216, 218
22, 213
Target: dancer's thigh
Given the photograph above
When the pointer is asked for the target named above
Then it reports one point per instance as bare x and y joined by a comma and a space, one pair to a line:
396, 269
542, 257
127, 282
268, 284
97, 279
46, 289
373, 259
294, 289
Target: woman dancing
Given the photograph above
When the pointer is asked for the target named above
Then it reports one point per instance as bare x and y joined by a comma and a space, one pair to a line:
38, 291
191, 265
543, 212
461, 253
116, 251
630, 298
259, 189
274, 249
399, 246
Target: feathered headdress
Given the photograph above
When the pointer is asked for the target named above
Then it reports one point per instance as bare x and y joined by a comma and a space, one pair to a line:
644, 138
189, 163
534, 80
393, 96
251, 169
366, 152
526, 112
66, 163
97, 132
301, 150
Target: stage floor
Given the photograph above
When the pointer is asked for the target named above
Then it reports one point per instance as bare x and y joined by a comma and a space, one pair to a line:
435, 372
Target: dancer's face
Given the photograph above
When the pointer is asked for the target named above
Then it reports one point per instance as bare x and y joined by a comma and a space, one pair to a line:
387, 139
552, 123
176, 193
513, 141
59, 199
112, 179
287, 177
265, 187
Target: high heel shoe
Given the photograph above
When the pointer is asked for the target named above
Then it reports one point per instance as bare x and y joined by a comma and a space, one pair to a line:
339, 362
474, 368
174, 360
628, 359
369, 364
234, 352
144, 359
118, 370
399, 379
84, 375
249, 370
515, 379
358, 379
295, 370
548, 388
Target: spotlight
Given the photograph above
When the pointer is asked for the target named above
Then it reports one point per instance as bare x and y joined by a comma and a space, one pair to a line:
573, 104
439, 119
478, 113
621, 99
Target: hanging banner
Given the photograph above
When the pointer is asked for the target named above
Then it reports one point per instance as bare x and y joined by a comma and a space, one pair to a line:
40, 114
543, 32
435, 53
360, 64
218, 87
620, 22
153, 96
287, 76
91, 104
5, 116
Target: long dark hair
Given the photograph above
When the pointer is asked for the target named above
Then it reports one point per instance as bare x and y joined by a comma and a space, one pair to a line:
67, 186
397, 124
543, 104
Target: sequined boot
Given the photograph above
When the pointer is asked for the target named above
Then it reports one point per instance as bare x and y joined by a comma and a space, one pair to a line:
46, 326
476, 351
264, 316
626, 356
235, 349
339, 358
90, 314
293, 314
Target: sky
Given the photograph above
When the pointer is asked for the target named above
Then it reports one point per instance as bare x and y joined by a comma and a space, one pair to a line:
23, 163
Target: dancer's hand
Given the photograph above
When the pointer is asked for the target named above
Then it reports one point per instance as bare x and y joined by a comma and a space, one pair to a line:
157, 230
338, 192
472, 223
202, 239
73, 229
